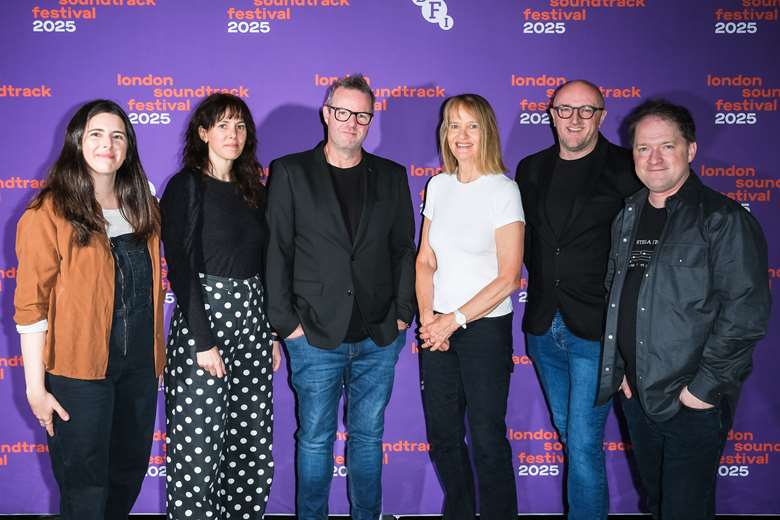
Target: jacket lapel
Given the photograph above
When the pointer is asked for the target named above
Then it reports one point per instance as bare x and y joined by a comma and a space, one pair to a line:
369, 196
544, 178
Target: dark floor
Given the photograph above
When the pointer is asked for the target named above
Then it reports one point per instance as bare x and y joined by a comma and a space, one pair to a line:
406, 517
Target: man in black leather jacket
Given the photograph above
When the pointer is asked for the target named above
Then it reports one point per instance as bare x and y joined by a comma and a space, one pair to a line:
689, 298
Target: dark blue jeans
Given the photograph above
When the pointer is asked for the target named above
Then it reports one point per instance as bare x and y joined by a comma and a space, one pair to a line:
471, 380
568, 369
101, 454
365, 372
678, 458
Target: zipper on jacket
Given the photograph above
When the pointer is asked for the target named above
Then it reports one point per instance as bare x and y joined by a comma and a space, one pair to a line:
124, 315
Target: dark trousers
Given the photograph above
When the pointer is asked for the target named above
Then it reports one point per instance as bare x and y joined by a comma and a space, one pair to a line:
678, 459
472, 379
101, 454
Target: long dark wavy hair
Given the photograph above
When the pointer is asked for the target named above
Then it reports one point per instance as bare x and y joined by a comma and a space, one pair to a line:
72, 191
246, 168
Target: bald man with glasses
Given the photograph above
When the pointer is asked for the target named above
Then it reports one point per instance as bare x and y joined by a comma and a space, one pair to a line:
571, 191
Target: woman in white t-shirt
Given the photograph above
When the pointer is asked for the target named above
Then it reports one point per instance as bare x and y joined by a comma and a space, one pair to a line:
469, 264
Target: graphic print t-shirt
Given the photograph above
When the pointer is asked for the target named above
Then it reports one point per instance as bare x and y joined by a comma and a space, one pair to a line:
651, 225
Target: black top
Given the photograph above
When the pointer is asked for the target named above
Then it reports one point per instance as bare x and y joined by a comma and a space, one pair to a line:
207, 227
566, 270
349, 184
233, 234
568, 178
651, 225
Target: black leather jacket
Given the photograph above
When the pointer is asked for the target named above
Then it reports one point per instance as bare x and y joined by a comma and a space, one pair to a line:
703, 305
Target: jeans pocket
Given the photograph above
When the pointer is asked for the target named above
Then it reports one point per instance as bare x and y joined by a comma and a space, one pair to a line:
699, 411
295, 342
296, 352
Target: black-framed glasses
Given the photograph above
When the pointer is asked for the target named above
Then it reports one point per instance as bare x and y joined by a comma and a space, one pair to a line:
343, 115
585, 111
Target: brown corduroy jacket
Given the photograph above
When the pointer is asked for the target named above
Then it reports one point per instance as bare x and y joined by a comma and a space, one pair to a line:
73, 287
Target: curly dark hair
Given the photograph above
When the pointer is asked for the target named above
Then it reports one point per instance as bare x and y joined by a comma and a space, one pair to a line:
246, 169
70, 185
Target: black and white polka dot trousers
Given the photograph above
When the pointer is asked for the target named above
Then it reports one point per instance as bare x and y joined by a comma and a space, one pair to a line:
220, 431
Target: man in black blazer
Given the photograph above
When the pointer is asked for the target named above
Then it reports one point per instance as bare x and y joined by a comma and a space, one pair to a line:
571, 192
340, 283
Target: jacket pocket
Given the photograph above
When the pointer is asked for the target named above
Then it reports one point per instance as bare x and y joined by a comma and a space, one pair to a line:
683, 283
683, 255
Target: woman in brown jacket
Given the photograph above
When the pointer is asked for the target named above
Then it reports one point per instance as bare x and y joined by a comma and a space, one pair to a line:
89, 312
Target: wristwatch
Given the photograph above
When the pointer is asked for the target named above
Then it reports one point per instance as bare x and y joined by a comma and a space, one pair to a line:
460, 318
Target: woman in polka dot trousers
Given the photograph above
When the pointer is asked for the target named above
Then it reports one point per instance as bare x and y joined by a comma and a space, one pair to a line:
221, 351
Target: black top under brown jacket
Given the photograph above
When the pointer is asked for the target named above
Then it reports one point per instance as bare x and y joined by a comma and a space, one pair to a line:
566, 271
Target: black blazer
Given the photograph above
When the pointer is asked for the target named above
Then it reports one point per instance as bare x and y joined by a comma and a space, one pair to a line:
566, 273
313, 270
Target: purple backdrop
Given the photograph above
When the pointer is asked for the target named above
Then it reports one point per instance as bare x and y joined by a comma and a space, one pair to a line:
716, 57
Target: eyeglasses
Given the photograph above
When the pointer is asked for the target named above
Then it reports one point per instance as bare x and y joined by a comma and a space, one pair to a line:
343, 115
585, 111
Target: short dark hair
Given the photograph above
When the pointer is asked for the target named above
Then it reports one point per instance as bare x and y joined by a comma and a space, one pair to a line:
352, 81
663, 109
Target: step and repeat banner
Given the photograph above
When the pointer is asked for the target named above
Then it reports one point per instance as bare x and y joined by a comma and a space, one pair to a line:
157, 58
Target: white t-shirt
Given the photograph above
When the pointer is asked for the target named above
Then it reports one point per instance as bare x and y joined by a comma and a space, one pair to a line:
117, 224
462, 234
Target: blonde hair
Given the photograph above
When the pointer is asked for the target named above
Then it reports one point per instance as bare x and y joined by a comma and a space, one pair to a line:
489, 159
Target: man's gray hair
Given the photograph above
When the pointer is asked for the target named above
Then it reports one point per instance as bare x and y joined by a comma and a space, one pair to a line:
354, 82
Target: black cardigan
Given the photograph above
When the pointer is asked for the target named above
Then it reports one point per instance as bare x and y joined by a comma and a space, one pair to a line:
181, 207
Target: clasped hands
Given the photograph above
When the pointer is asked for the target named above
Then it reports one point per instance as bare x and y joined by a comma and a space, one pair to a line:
435, 331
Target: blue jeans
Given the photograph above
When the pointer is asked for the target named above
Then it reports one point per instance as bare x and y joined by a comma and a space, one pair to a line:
365, 371
568, 368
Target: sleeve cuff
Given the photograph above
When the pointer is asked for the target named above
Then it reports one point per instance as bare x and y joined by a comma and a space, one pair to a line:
38, 326
406, 317
703, 389
509, 220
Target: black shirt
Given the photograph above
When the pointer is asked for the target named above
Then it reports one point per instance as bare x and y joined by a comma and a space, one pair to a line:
233, 233
651, 225
349, 184
567, 180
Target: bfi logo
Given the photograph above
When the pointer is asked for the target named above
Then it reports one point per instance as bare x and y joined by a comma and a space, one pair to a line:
435, 11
